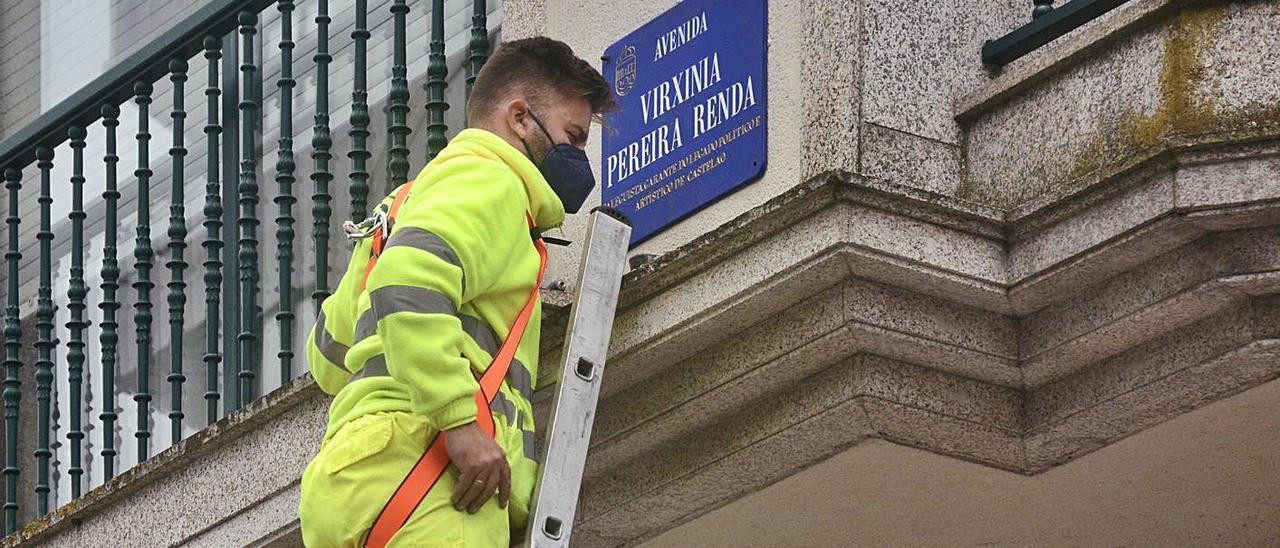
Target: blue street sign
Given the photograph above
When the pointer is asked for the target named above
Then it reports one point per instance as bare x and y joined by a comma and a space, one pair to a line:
692, 128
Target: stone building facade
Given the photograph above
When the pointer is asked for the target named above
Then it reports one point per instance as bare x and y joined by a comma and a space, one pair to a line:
1034, 305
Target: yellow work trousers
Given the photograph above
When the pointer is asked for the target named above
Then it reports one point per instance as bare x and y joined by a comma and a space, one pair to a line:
346, 485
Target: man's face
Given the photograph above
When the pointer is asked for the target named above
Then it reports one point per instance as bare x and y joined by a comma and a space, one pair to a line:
567, 120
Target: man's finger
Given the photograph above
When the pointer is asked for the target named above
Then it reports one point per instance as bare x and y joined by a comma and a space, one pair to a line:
491, 483
460, 491
474, 490
504, 485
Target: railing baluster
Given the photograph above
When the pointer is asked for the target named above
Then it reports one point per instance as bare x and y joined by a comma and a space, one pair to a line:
321, 142
248, 222
177, 247
12, 362
397, 123
230, 175
437, 71
359, 131
143, 257
76, 295
110, 337
1042, 8
213, 227
479, 44
285, 178
44, 334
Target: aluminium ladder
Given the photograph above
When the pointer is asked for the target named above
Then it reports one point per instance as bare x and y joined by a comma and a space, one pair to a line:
555, 495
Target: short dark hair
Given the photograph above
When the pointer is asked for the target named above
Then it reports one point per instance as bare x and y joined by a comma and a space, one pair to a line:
538, 65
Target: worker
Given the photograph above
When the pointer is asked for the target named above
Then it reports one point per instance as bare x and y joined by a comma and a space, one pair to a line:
403, 342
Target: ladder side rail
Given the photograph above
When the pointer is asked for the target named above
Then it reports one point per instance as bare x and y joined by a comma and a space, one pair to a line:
555, 496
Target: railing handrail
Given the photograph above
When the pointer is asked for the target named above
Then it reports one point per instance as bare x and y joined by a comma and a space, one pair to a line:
81, 108
1044, 29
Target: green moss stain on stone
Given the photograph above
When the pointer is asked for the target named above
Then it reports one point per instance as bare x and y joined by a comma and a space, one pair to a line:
1187, 113
1183, 71
1183, 107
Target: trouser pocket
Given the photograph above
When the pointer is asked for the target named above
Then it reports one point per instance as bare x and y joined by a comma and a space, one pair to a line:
348, 482
359, 440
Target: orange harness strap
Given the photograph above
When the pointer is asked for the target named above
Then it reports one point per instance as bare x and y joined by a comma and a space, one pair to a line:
428, 470
378, 242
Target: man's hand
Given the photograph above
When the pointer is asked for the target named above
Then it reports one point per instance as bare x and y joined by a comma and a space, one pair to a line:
483, 465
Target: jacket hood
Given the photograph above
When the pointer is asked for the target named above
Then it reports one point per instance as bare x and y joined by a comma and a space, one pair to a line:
545, 206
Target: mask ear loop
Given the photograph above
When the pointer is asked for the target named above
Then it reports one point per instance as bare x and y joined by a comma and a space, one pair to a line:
528, 151
543, 128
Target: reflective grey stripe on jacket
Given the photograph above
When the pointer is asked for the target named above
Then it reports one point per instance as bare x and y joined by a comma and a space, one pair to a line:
332, 350
425, 240
391, 299
530, 440
518, 376
376, 366
385, 301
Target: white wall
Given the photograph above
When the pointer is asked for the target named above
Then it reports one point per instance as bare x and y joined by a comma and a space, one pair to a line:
591, 26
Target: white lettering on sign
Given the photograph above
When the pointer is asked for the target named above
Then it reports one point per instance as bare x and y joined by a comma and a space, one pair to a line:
693, 157
638, 155
683, 86
722, 106
680, 35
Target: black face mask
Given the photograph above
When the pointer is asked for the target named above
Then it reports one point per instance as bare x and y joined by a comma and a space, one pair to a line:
566, 169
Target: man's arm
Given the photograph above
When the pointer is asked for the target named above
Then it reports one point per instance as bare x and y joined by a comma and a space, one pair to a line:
330, 337
449, 241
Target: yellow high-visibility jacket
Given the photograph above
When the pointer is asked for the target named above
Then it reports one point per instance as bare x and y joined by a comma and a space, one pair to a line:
456, 270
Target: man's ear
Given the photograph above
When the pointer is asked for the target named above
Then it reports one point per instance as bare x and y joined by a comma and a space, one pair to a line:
517, 117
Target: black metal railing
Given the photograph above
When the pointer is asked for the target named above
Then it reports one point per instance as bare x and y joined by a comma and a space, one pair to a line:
1048, 23
154, 82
